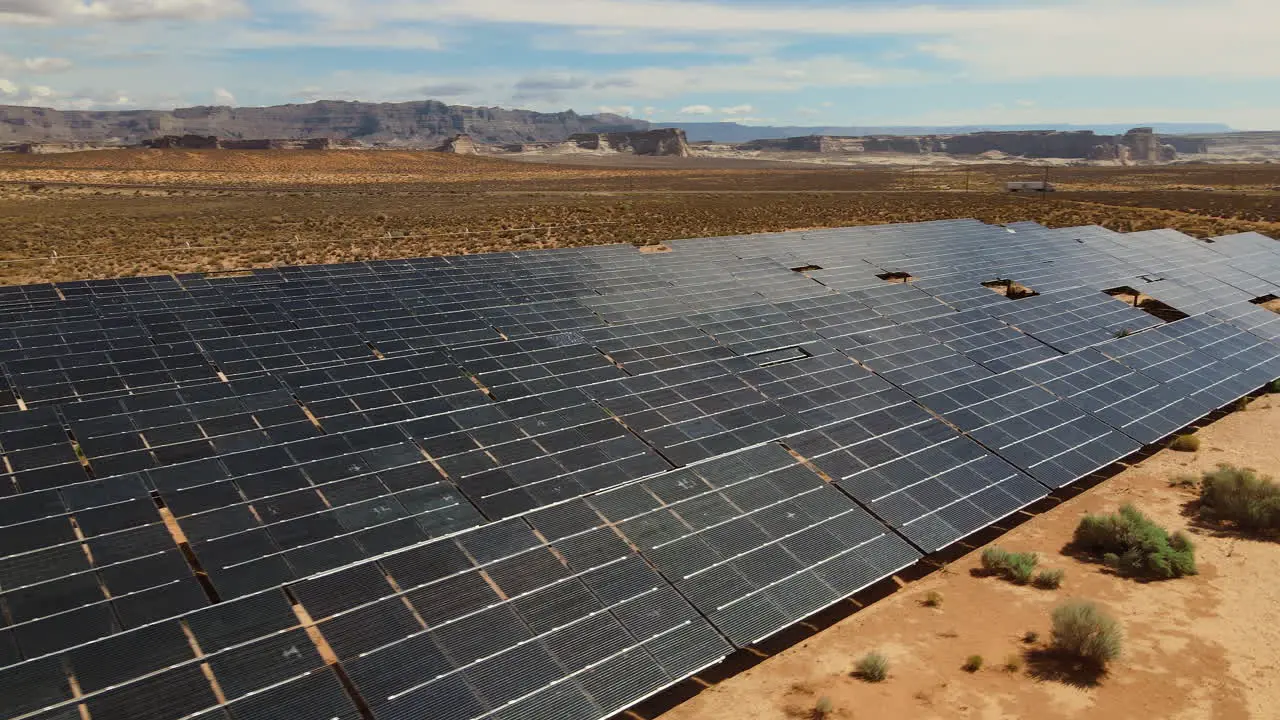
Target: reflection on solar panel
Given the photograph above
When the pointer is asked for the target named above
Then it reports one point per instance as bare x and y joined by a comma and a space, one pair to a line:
550, 484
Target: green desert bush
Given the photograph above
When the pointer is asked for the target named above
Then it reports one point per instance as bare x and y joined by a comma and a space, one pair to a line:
972, 664
932, 599
873, 667
1134, 545
1030, 637
1013, 663
1274, 386
822, 708
1084, 631
1185, 443
1184, 481
1240, 497
1012, 566
1050, 579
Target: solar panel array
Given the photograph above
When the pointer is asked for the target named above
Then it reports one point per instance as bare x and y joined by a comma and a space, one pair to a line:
549, 484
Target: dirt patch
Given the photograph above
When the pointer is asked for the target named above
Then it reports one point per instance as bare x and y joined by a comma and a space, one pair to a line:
1196, 647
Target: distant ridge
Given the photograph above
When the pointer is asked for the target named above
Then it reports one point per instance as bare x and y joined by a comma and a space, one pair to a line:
411, 124
430, 123
732, 132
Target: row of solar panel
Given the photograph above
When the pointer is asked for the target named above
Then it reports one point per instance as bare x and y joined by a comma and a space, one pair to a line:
892, 443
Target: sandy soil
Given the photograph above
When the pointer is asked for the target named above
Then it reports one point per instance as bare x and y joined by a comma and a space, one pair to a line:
267, 168
1199, 647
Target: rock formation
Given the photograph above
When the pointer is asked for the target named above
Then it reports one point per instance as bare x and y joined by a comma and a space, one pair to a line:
459, 144
425, 124
210, 142
668, 142
50, 148
1144, 146
1137, 145
185, 142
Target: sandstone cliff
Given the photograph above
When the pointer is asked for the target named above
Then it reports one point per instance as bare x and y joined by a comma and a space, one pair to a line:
667, 142
211, 142
413, 124
1136, 145
460, 145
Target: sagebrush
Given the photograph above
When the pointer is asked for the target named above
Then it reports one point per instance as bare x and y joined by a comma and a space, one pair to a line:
1240, 497
1135, 546
1050, 579
1185, 443
1081, 629
1013, 566
873, 667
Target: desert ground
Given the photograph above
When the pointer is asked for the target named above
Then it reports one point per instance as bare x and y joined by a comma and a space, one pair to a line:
132, 212
1195, 647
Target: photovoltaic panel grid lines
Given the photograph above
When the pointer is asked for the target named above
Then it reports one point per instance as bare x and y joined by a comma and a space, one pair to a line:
549, 484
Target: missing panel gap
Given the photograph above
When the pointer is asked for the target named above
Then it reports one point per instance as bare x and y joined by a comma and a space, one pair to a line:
1268, 302
897, 277
1011, 289
1164, 312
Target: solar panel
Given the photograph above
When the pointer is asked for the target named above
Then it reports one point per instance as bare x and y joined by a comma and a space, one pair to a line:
548, 484
921, 477
754, 540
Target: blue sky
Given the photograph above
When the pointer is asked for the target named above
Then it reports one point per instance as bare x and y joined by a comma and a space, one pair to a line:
779, 62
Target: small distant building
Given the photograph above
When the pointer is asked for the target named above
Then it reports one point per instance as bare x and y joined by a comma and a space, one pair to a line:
1029, 186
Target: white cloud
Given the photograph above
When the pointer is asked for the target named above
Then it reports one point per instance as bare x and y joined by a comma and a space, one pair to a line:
34, 65
1066, 38
448, 89
808, 111
398, 38
620, 41
47, 64
222, 96
1241, 117
45, 96
74, 11
761, 75
1097, 38
552, 89
1024, 103
711, 17
616, 110
650, 111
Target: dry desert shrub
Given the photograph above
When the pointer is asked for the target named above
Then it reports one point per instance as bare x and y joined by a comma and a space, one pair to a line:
1240, 498
1083, 631
1133, 545
873, 667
